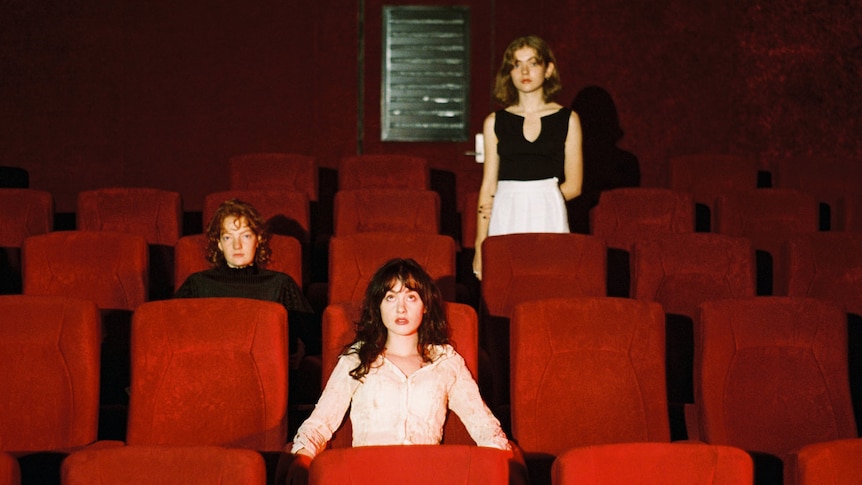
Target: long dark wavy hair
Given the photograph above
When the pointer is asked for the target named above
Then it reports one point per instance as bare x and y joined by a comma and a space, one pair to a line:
504, 90
239, 210
371, 333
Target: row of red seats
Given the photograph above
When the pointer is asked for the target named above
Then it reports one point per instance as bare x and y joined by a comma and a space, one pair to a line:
770, 372
768, 217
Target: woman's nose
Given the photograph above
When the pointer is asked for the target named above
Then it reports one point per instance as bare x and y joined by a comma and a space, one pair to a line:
237, 244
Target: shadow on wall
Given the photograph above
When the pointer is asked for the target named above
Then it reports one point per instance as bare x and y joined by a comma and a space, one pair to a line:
606, 166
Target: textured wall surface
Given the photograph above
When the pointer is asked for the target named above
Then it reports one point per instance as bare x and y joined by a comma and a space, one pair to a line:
108, 93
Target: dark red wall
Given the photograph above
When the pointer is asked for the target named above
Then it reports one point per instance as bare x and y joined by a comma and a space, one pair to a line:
160, 93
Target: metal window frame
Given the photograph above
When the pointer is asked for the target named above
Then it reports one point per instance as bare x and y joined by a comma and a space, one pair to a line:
425, 73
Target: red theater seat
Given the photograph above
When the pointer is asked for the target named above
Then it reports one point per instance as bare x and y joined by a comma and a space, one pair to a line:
10, 472
626, 215
770, 374
653, 464
209, 371
707, 175
523, 267
386, 210
49, 373
109, 268
587, 371
680, 271
152, 213
415, 464
164, 465
353, 260
274, 171
826, 265
829, 181
768, 217
155, 214
23, 213
830, 462
384, 171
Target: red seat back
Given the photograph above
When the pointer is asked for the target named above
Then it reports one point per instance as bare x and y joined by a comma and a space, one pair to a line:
274, 171
354, 259
209, 371
681, 271
155, 214
384, 171
386, 210
414, 464
523, 267
24, 213
770, 373
834, 461
589, 371
109, 268
653, 463
164, 465
49, 372
626, 215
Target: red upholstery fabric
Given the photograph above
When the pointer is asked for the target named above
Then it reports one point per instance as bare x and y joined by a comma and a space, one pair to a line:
10, 472
338, 320
155, 214
384, 171
280, 171
626, 215
828, 181
587, 371
164, 465
417, 465
287, 212
49, 372
771, 373
24, 213
209, 371
768, 217
707, 175
386, 210
653, 463
830, 462
522, 267
682, 270
353, 260
108, 268
190, 256
827, 265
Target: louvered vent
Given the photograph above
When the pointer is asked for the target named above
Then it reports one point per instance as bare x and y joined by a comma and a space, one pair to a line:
426, 73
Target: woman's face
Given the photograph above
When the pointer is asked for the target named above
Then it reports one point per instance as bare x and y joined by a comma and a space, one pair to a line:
402, 310
527, 72
238, 243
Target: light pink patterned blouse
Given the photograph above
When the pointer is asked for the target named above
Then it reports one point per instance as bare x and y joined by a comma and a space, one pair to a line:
389, 408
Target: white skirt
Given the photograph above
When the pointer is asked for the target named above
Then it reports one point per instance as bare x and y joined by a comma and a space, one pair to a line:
528, 206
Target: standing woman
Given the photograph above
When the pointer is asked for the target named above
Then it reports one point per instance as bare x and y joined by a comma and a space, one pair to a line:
533, 158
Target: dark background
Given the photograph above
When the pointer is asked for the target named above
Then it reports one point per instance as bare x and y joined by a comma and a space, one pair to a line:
160, 93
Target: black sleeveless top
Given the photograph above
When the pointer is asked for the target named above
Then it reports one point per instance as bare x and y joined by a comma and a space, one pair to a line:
521, 159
